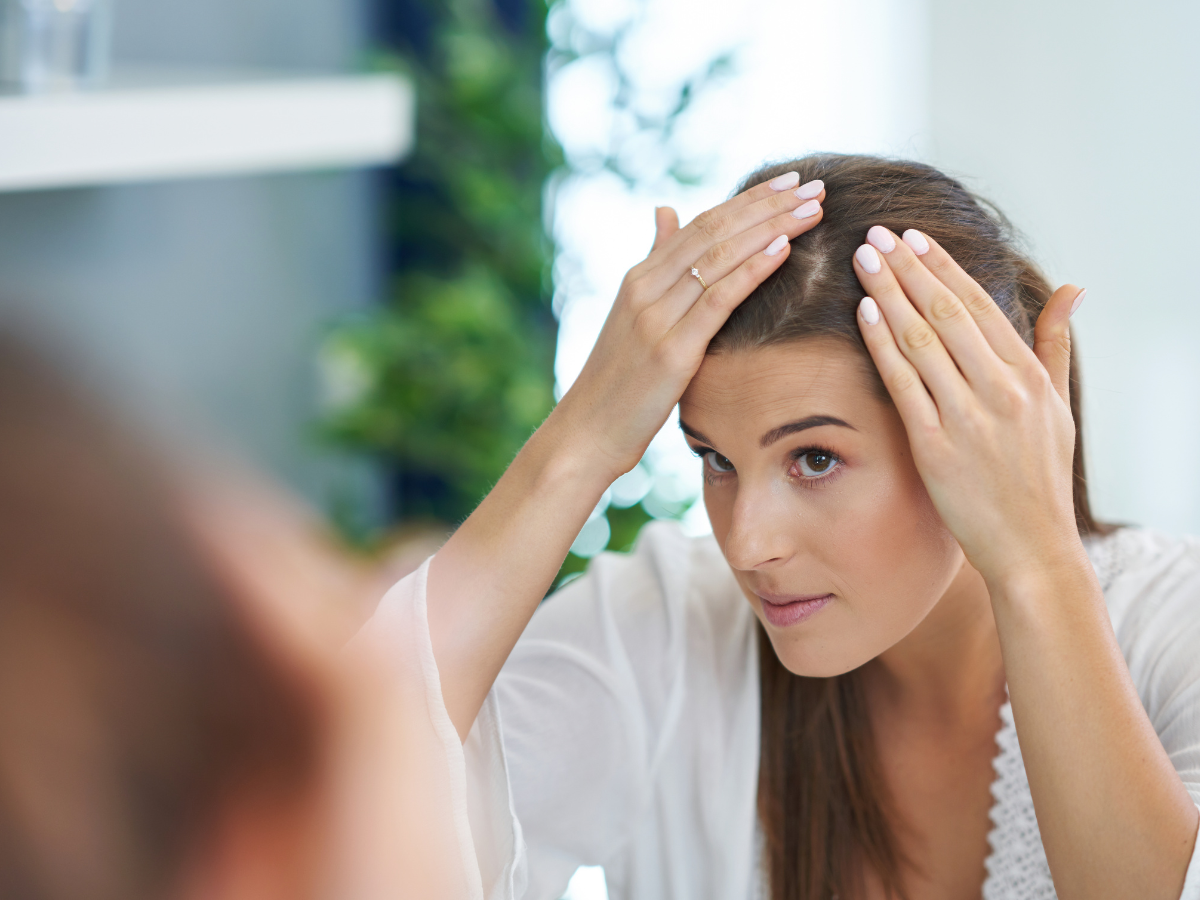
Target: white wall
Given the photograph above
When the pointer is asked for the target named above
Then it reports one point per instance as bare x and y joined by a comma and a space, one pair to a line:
1080, 119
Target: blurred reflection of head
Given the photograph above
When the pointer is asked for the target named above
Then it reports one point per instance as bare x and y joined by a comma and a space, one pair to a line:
175, 720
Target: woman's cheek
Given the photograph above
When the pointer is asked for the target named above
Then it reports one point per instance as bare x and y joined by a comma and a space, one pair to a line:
909, 559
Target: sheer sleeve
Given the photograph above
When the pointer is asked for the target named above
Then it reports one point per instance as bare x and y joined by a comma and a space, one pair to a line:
623, 731
430, 836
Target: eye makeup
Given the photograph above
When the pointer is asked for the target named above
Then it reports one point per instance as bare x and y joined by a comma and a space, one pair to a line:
811, 465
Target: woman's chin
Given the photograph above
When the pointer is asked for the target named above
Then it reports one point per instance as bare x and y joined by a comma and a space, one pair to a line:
812, 656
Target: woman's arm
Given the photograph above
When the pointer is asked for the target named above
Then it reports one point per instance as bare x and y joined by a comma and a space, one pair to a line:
488, 579
992, 435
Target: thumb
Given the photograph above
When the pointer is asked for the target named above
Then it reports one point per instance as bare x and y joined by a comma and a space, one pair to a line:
1052, 336
666, 223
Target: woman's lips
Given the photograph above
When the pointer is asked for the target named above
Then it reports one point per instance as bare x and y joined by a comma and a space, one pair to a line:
783, 610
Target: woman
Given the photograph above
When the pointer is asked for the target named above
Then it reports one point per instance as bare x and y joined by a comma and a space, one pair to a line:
825, 698
175, 718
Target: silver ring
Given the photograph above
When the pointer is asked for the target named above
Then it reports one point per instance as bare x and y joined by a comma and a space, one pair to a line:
700, 278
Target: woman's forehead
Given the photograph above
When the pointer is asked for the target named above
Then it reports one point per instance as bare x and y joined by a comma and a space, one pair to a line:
791, 377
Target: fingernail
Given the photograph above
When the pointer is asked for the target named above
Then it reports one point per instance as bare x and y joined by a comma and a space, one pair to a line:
869, 311
1078, 300
881, 238
810, 190
776, 245
807, 210
868, 259
785, 181
916, 240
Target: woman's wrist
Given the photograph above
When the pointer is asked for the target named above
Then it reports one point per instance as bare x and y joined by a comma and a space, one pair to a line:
1052, 573
577, 446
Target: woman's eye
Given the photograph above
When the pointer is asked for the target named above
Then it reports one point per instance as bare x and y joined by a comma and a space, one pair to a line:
717, 462
815, 463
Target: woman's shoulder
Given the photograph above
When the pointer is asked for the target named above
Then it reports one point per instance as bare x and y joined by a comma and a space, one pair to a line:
1151, 584
1138, 564
1131, 549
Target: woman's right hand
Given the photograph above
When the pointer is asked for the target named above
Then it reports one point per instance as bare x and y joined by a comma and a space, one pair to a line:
661, 323
485, 583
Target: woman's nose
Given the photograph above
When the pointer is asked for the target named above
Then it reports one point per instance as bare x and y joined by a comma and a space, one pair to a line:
763, 533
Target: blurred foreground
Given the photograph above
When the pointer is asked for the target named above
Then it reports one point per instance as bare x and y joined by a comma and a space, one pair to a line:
176, 717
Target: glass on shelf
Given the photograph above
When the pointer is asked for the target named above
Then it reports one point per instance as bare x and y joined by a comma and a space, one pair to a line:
54, 44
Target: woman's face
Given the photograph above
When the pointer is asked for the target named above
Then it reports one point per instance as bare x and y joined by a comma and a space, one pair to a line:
816, 502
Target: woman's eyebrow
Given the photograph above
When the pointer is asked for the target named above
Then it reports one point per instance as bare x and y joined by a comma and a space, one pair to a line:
775, 434
783, 431
692, 432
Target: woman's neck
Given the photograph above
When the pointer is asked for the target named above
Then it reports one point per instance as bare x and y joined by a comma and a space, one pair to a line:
948, 670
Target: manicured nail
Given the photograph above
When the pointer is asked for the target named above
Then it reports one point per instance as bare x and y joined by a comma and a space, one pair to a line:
881, 238
786, 181
807, 210
868, 259
810, 190
869, 311
776, 245
916, 240
1078, 300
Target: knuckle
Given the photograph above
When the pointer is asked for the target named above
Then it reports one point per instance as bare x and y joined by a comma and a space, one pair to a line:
721, 255
903, 381
918, 336
947, 308
647, 325
636, 294
1012, 398
715, 226
979, 301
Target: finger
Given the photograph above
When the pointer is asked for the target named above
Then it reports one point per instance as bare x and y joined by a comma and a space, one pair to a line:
1052, 336
914, 336
706, 316
992, 322
713, 226
903, 383
666, 223
723, 258
941, 307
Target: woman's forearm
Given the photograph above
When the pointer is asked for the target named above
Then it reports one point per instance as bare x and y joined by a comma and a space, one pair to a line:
1115, 818
488, 579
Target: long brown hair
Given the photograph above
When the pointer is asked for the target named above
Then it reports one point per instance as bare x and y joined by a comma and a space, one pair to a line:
822, 800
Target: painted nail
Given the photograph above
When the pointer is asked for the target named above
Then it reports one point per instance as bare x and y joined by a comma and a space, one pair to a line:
776, 245
1078, 300
810, 190
806, 210
880, 238
868, 259
786, 181
869, 311
916, 240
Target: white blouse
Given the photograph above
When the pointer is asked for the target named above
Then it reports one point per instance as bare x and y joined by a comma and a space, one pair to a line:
623, 730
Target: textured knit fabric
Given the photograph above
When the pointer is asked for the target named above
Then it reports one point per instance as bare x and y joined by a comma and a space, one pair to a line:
624, 729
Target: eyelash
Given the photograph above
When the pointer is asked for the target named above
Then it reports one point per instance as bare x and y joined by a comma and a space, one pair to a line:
712, 476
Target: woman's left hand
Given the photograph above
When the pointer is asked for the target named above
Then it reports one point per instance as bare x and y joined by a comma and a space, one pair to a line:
988, 419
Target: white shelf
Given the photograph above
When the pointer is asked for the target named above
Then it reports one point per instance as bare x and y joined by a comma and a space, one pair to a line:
153, 125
